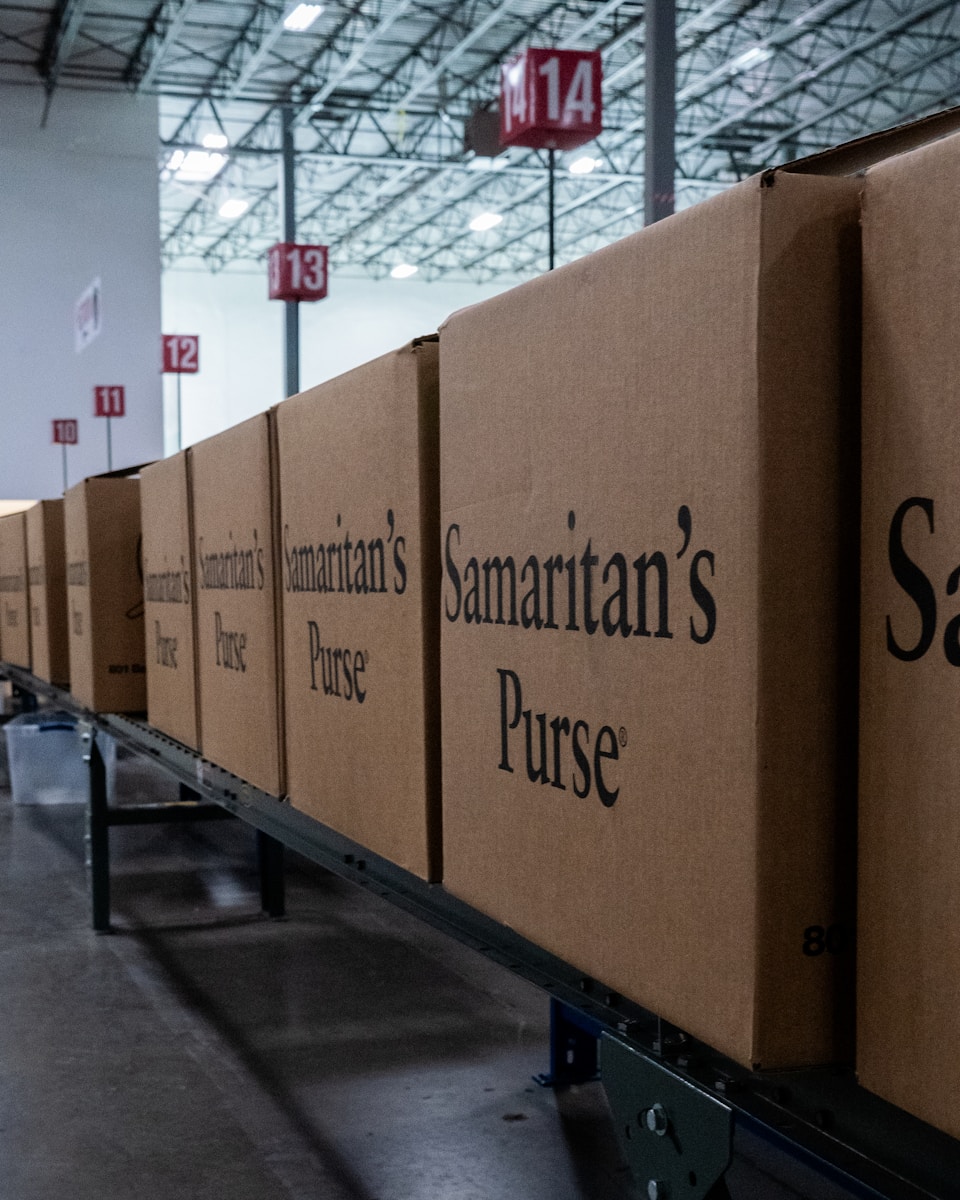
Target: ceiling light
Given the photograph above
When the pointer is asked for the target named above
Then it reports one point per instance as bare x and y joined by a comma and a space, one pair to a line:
302, 17
233, 208
485, 221
751, 58
584, 165
403, 271
482, 163
195, 166
216, 141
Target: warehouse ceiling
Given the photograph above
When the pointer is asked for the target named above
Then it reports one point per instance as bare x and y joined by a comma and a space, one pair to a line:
380, 91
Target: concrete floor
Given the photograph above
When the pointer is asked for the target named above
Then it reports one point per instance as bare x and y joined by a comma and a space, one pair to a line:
203, 1051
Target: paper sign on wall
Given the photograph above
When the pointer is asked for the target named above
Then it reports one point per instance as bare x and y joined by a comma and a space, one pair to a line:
87, 317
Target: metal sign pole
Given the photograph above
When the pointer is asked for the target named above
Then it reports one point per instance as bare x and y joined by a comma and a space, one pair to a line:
64, 448
551, 206
109, 448
179, 415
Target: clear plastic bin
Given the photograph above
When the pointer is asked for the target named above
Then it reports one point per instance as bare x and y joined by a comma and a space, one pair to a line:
45, 759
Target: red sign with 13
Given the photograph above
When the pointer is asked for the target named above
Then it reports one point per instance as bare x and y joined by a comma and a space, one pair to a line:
297, 272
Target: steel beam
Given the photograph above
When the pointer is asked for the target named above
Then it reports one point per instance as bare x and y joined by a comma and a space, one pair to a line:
61, 36
802, 80
661, 110
259, 56
353, 60
169, 38
288, 233
457, 52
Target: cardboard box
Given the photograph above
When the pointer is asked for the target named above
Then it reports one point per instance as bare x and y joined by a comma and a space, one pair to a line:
14, 601
105, 594
647, 475
908, 1019
237, 604
360, 578
168, 597
47, 569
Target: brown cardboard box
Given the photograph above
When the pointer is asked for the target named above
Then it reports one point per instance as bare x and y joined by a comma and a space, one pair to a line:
647, 475
14, 602
236, 601
909, 935
360, 577
105, 594
168, 600
46, 565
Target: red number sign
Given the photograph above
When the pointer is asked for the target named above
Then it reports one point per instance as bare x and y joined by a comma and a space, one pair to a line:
297, 272
64, 433
181, 353
109, 402
551, 100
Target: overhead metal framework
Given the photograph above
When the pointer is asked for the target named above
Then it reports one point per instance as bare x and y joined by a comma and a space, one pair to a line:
380, 91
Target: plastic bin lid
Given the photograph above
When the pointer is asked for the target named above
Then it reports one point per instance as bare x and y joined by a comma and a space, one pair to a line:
52, 718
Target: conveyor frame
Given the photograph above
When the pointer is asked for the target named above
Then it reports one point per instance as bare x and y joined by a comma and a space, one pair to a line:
820, 1120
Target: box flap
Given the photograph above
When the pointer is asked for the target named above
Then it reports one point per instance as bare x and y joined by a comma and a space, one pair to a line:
855, 156
119, 473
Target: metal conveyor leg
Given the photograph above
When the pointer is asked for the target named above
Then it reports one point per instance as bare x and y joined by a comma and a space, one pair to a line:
574, 1047
272, 887
99, 830
26, 702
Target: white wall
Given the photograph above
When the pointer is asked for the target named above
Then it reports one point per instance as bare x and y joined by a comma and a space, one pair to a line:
241, 337
78, 199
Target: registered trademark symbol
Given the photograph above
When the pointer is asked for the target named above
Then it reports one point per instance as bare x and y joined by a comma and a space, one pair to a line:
623, 736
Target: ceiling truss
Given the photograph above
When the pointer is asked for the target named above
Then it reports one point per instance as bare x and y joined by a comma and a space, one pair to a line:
380, 91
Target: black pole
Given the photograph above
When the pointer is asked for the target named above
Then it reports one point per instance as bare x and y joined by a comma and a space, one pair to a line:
99, 826
661, 110
272, 887
288, 233
552, 207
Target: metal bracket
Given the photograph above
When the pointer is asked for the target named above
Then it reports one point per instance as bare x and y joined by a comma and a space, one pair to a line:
25, 700
98, 827
574, 1047
677, 1138
86, 731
